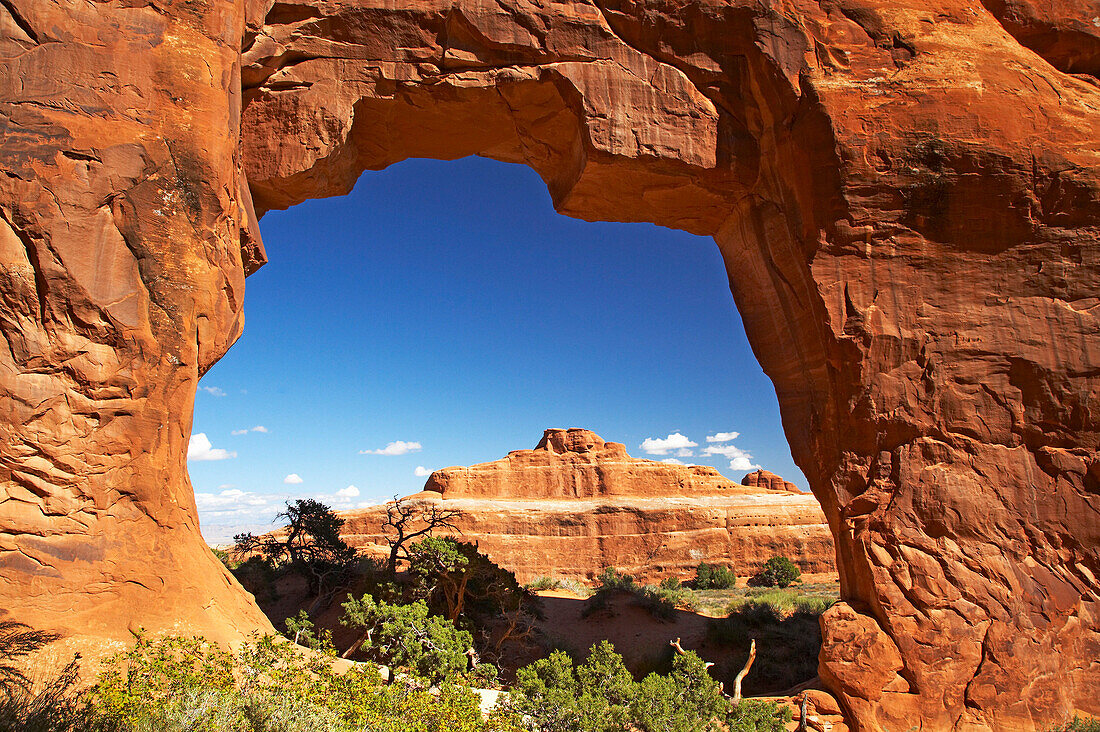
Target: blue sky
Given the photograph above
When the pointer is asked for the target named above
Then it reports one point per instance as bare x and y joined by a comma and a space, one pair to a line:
444, 314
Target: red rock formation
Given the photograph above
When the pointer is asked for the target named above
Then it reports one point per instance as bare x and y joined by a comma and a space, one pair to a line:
576, 504
770, 481
906, 195
576, 463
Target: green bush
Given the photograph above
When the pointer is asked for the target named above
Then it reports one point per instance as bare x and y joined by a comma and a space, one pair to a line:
407, 637
188, 685
543, 583
660, 600
671, 583
777, 571
1079, 724
462, 584
714, 577
662, 603
611, 579
600, 695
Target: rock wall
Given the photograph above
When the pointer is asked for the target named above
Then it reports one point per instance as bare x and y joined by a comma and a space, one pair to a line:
576, 504
905, 193
577, 463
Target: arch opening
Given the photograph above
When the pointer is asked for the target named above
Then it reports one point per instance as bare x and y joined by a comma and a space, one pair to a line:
456, 286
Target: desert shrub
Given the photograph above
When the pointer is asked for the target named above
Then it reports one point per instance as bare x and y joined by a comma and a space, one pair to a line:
555, 695
577, 588
302, 631
1079, 724
671, 583
714, 577
408, 637
186, 684
777, 572
310, 545
758, 715
51, 704
816, 605
611, 579
226, 557
543, 583
459, 582
662, 603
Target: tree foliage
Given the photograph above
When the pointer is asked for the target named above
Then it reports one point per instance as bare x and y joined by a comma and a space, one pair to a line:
777, 571
601, 696
187, 685
408, 520
461, 583
310, 544
714, 577
408, 637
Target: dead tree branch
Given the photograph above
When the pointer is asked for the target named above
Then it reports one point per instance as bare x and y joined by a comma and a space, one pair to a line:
741, 675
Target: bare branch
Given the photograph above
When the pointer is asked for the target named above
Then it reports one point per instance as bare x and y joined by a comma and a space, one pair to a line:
681, 652
403, 515
742, 673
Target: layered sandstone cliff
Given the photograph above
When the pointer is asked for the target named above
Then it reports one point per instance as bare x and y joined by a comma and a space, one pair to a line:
576, 504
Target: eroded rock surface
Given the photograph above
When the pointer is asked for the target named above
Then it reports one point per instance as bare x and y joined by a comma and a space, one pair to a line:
769, 480
576, 504
905, 193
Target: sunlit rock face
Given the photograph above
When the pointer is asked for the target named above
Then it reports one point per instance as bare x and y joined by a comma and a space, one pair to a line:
576, 504
906, 194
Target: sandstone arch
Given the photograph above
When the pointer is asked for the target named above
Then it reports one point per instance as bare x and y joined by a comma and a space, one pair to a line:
907, 198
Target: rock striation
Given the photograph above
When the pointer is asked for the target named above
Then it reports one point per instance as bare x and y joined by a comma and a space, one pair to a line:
576, 504
906, 195
769, 480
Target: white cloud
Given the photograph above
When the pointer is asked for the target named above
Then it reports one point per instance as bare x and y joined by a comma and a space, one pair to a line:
239, 432
257, 428
740, 460
673, 461
421, 472
398, 447
366, 504
349, 492
726, 451
231, 497
213, 391
743, 464
199, 448
723, 436
675, 441
292, 479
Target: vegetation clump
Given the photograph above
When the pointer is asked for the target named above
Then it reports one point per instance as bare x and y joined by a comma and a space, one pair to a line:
777, 572
1079, 724
310, 545
714, 577
600, 695
27, 706
408, 638
661, 600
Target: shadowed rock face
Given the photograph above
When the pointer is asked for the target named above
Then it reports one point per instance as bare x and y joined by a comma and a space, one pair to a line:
906, 194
